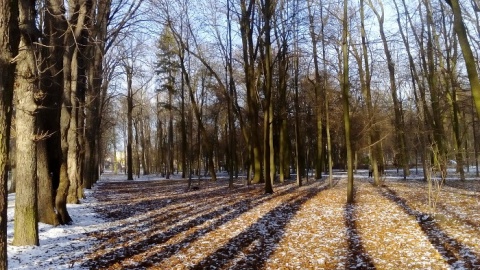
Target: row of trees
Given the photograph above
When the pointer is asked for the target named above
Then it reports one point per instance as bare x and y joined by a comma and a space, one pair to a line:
268, 86
264, 86
54, 86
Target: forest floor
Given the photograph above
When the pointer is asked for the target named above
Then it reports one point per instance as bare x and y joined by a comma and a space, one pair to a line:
158, 224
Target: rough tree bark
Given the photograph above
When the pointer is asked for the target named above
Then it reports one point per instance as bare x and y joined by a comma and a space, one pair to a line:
8, 49
48, 117
26, 83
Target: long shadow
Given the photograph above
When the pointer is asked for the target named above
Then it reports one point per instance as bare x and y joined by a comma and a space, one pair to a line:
455, 253
113, 210
463, 219
228, 212
467, 185
357, 257
252, 248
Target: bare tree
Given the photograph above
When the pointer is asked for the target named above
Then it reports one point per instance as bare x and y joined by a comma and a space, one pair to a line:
470, 62
397, 106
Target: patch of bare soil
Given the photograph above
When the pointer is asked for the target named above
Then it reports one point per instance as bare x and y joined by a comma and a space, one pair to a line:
160, 225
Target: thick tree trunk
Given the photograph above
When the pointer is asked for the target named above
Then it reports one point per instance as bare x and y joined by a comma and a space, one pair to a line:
26, 215
45, 197
99, 19
8, 49
68, 119
62, 191
48, 118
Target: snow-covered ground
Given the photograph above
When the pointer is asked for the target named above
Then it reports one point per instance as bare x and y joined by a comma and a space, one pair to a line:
60, 245
309, 227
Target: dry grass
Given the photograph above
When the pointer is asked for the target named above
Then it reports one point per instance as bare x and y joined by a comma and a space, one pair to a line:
158, 225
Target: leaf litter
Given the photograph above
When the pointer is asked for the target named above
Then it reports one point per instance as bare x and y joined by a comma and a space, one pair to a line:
154, 223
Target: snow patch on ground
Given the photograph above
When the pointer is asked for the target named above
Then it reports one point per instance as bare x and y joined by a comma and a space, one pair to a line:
124, 223
61, 245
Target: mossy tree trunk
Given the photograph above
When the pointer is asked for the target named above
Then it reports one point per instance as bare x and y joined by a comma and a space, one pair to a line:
26, 83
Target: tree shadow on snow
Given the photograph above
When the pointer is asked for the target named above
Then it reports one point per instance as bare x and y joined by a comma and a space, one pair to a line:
357, 257
127, 244
453, 252
252, 248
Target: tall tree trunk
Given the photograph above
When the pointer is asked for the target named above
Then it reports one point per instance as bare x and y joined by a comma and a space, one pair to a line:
438, 143
26, 215
72, 154
9, 39
397, 106
282, 43
470, 62
68, 120
365, 79
319, 96
268, 9
183, 126
206, 144
249, 56
298, 144
326, 103
159, 140
451, 85
129, 74
82, 82
232, 164
48, 117
170, 150
418, 83
346, 104
99, 19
